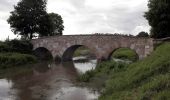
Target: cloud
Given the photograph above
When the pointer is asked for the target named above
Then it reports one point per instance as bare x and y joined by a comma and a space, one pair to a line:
107, 16
90, 16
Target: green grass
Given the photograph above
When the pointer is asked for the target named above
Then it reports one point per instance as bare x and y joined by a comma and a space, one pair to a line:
81, 51
15, 59
148, 79
125, 54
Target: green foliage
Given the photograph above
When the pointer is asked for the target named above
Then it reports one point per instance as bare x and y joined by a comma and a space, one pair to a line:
57, 24
125, 54
82, 51
158, 17
148, 79
86, 77
143, 34
30, 19
20, 46
102, 69
4, 47
15, 59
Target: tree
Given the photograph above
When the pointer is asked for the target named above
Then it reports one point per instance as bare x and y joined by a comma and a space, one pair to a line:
158, 17
143, 34
30, 18
57, 24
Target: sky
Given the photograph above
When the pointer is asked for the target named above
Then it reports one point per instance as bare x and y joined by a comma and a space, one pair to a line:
88, 16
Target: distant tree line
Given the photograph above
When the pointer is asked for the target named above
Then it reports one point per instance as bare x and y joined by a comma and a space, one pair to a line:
30, 19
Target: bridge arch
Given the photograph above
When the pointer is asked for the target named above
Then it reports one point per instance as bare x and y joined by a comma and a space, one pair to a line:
125, 48
69, 52
101, 45
42, 53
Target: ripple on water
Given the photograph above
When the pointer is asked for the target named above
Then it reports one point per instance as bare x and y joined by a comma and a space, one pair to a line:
74, 93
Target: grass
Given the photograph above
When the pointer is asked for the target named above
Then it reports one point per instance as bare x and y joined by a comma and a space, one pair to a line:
148, 79
82, 51
125, 54
15, 59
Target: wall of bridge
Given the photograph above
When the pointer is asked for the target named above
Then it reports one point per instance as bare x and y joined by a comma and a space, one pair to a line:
101, 45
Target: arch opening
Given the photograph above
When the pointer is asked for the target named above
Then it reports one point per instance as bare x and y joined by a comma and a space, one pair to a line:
78, 51
42, 53
80, 57
124, 54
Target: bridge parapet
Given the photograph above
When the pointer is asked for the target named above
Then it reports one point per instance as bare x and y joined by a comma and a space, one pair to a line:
101, 45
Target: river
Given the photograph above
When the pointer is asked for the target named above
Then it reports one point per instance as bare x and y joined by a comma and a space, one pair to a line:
47, 81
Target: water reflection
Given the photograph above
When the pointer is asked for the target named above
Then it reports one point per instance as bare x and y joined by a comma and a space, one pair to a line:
47, 81
6, 90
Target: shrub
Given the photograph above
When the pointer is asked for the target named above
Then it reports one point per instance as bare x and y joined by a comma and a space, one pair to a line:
20, 46
15, 59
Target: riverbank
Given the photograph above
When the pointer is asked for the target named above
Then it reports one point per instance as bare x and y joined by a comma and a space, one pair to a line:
16, 53
148, 79
15, 59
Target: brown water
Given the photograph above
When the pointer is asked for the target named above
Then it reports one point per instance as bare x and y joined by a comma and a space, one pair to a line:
47, 81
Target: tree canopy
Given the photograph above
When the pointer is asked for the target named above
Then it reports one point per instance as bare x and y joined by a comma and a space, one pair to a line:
143, 34
30, 19
57, 24
158, 17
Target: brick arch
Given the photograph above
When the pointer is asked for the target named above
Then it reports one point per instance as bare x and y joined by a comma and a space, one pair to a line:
110, 54
69, 51
138, 49
101, 45
42, 52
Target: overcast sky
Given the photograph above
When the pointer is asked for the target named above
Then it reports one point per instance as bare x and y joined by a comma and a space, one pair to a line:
89, 16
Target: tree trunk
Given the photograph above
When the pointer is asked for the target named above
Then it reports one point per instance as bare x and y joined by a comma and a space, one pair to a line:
31, 36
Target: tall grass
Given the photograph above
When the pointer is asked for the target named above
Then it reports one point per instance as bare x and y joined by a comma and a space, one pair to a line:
144, 80
148, 79
125, 54
15, 59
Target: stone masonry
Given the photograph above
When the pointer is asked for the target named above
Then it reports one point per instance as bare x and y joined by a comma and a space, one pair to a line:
101, 45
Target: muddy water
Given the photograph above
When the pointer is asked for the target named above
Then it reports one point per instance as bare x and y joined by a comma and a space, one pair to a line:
47, 81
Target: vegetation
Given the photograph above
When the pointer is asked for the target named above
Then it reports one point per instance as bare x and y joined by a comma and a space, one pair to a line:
158, 18
15, 53
57, 24
81, 51
84, 51
15, 59
143, 34
148, 79
39, 23
19, 46
125, 54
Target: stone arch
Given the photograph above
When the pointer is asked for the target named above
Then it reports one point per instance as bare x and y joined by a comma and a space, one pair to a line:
69, 52
135, 51
42, 53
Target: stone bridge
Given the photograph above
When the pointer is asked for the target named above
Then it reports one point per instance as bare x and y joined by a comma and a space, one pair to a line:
101, 45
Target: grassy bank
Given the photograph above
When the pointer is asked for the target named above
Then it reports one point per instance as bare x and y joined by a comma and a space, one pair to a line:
15, 59
83, 51
125, 54
148, 79
16, 53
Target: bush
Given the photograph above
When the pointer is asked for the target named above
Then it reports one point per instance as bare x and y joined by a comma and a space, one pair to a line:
18, 46
15, 59
125, 54
4, 47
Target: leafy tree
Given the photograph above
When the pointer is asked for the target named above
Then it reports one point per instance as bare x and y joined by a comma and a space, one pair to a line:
158, 17
143, 34
30, 18
57, 24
